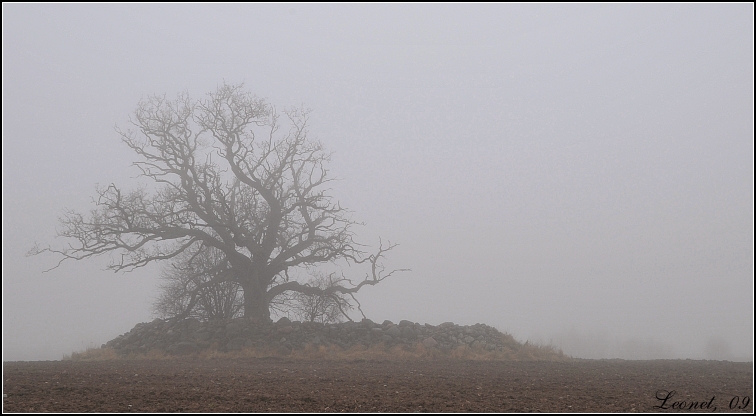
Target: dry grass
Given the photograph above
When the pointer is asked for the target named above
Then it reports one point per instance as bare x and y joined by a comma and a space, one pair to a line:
93, 354
520, 352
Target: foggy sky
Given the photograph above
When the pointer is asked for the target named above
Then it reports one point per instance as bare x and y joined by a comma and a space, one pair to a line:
579, 174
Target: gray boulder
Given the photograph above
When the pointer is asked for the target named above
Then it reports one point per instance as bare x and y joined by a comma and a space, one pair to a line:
429, 342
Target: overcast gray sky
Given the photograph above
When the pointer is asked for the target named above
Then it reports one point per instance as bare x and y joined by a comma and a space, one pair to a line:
575, 174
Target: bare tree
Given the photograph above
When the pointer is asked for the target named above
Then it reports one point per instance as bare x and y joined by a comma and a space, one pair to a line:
322, 308
226, 174
187, 275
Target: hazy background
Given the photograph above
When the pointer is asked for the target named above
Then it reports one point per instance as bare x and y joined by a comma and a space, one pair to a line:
579, 175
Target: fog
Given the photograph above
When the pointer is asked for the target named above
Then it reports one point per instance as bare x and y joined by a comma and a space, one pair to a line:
576, 175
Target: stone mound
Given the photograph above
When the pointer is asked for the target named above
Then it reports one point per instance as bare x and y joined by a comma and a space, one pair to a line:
191, 336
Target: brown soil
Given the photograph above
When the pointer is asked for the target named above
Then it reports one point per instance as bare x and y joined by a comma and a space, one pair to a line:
287, 385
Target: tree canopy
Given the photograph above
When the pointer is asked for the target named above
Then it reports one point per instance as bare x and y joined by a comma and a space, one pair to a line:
230, 179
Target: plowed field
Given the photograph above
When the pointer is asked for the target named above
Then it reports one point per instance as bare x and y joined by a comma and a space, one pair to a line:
282, 385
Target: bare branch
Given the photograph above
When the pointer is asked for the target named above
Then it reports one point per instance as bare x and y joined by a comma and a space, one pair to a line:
230, 176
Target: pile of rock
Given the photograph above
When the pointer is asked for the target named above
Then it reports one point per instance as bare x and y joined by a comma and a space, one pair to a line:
190, 336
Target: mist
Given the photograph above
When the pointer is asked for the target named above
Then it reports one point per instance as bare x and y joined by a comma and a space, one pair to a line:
576, 175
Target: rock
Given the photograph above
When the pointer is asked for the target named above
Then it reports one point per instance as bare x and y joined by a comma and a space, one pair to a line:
394, 331
190, 335
367, 323
193, 324
429, 342
408, 332
234, 328
349, 326
202, 335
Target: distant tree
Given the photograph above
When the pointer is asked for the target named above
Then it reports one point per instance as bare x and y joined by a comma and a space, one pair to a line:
189, 274
225, 177
322, 308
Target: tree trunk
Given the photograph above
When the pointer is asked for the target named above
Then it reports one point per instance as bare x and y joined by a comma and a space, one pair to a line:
255, 302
